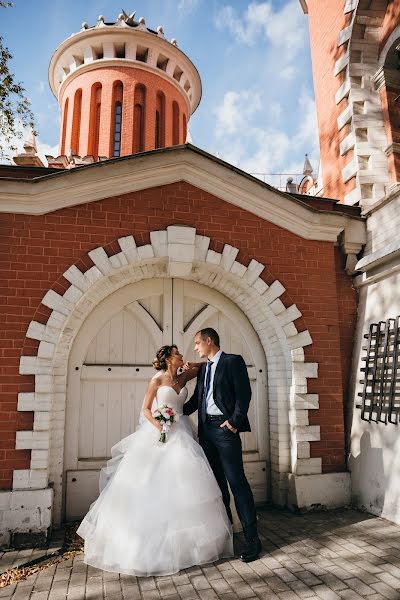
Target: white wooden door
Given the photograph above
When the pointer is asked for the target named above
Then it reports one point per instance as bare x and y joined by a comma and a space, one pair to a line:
110, 365
108, 371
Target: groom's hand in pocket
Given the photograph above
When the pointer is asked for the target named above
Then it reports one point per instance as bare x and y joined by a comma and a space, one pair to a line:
229, 426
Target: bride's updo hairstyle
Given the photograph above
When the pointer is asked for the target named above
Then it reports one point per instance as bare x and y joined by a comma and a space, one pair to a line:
160, 361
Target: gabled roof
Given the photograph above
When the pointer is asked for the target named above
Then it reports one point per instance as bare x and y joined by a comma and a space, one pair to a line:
308, 217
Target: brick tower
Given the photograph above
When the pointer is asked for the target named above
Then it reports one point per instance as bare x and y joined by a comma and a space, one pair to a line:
122, 89
356, 83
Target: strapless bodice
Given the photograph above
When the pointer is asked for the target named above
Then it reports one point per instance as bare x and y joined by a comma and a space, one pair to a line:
167, 395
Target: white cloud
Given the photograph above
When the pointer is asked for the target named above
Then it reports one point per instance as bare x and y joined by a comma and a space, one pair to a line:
274, 116
41, 87
288, 72
245, 29
258, 149
186, 7
43, 147
276, 110
308, 127
284, 29
48, 113
235, 111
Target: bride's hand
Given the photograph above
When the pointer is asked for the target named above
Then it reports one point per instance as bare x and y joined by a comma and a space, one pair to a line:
158, 425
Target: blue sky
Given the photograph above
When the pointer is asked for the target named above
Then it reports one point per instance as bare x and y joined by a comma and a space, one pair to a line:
257, 110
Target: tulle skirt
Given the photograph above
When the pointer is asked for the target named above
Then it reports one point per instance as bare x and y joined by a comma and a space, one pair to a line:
160, 508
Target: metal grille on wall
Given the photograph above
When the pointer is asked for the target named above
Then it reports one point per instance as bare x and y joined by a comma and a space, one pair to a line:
381, 383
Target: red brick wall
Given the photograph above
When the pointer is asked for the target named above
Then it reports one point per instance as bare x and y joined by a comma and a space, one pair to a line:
130, 77
331, 322
326, 20
345, 303
390, 22
36, 250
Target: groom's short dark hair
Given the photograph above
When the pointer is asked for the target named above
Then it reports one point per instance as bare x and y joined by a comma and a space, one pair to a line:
209, 332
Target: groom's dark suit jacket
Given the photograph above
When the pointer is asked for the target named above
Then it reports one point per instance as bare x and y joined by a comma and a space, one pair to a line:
231, 391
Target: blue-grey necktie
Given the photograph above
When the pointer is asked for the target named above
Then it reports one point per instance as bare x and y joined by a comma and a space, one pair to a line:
205, 391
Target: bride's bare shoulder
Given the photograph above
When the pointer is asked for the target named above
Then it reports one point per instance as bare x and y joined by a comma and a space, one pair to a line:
154, 383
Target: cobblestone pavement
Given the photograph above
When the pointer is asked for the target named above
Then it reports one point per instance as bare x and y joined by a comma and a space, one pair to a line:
334, 555
16, 558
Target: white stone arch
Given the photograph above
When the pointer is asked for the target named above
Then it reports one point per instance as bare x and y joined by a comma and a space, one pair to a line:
393, 37
175, 252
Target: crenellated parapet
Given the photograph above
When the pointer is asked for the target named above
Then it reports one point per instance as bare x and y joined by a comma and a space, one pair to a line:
122, 88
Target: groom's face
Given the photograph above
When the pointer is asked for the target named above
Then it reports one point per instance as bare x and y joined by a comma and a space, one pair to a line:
202, 347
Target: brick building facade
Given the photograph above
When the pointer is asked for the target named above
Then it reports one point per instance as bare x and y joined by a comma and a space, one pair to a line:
357, 87
103, 263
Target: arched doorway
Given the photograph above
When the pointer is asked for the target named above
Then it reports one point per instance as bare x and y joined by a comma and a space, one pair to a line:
110, 364
178, 252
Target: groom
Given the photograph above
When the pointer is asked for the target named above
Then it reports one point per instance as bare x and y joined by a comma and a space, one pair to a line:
222, 396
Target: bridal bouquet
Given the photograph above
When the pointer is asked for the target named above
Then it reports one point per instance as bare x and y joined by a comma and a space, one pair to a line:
165, 415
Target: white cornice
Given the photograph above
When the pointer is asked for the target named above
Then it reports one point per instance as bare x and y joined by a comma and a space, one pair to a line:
157, 168
76, 44
382, 256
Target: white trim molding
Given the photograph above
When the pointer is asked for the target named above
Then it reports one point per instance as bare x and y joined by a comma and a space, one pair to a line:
171, 165
181, 252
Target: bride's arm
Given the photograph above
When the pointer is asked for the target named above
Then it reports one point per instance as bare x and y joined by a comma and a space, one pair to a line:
148, 403
190, 370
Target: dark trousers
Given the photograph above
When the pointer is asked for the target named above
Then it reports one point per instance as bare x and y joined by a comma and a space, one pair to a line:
223, 449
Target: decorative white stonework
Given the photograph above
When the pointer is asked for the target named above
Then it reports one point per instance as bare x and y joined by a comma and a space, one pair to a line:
25, 512
341, 63
343, 91
365, 144
177, 252
30, 157
180, 249
317, 491
124, 43
350, 6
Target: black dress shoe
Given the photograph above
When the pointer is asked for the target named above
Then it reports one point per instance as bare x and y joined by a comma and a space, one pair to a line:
251, 551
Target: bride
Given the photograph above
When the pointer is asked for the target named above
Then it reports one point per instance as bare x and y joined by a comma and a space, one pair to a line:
160, 508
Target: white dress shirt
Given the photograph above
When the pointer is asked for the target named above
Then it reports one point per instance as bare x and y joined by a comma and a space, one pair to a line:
212, 408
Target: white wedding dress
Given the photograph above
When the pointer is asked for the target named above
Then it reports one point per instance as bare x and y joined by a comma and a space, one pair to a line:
160, 508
